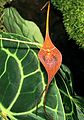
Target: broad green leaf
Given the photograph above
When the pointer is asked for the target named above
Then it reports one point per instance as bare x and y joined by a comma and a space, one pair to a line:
14, 23
67, 76
79, 102
22, 81
14, 38
69, 101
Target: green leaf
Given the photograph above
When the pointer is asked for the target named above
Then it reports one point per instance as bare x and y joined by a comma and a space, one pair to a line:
22, 81
14, 23
14, 38
67, 76
72, 105
79, 102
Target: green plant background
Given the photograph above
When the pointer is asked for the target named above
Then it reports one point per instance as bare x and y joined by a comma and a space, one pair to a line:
73, 16
2, 2
23, 78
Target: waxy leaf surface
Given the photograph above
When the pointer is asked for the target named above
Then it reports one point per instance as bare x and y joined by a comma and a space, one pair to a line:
73, 105
22, 79
14, 23
22, 82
